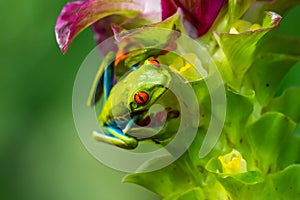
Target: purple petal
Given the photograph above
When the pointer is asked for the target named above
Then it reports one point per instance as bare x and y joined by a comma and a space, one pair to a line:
102, 30
78, 15
199, 13
168, 8
64, 23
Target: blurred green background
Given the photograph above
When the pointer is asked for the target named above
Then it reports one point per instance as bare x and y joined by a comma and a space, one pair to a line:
40, 152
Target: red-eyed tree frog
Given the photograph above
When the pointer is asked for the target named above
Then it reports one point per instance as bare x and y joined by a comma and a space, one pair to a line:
127, 116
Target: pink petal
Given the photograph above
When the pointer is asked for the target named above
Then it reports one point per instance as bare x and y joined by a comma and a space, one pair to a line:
199, 13
78, 15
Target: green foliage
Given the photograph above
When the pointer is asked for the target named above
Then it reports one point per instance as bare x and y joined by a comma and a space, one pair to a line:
268, 136
259, 126
192, 194
258, 151
287, 104
240, 44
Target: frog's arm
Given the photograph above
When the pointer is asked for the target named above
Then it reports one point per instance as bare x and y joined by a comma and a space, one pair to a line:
115, 136
104, 80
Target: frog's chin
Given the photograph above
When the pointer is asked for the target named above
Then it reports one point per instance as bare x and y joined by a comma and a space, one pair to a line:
145, 126
139, 126
142, 133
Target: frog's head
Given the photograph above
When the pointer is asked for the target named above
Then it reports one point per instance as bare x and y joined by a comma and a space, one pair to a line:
128, 115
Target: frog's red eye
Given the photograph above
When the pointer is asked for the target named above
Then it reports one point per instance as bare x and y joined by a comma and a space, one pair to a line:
154, 62
141, 97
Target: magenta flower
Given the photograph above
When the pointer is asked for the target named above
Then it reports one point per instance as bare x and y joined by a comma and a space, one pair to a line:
78, 15
199, 14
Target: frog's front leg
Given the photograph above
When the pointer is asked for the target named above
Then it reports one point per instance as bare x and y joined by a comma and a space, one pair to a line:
115, 136
104, 80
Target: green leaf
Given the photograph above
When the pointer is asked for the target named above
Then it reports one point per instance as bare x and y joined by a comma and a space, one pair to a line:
148, 41
259, 191
177, 177
239, 109
268, 136
287, 183
214, 166
236, 9
249, 178
280, 44
275, 56
290, 153
288, 103
257, 10
192, 194
265, 86
240, 48
175, 180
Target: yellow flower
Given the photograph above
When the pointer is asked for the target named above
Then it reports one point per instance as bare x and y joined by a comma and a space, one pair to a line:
233, 163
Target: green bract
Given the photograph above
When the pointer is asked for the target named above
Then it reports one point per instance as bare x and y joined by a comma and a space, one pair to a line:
253, 59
